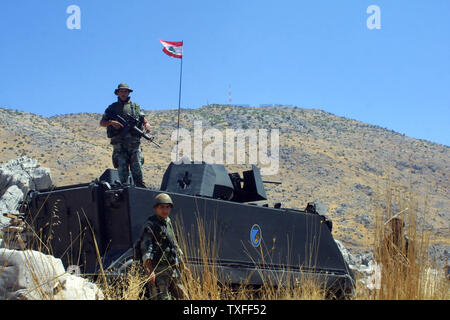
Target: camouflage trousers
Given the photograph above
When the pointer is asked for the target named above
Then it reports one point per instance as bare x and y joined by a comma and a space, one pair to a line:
168, 286
126, 157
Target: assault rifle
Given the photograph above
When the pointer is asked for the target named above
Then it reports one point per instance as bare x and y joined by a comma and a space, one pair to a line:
172, 245
130, 124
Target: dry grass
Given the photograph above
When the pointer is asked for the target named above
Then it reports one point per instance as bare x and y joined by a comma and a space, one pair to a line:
407, 270
130, 286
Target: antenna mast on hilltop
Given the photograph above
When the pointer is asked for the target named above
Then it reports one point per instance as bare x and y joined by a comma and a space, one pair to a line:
230, 97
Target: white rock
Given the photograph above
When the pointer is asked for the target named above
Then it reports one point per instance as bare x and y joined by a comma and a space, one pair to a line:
32, 275
17, 177
71, 287
373, 276
345, 253
10, 199
25, 173
371, 273
28, 274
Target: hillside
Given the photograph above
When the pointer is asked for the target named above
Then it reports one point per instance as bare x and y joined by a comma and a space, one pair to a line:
345, 164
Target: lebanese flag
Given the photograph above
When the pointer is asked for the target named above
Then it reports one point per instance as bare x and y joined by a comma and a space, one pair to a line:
173, 49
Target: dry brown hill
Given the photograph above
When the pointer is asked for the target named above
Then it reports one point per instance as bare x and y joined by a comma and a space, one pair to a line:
343, 163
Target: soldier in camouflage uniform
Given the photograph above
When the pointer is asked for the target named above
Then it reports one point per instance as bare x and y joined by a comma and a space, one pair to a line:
161, 254
127, 152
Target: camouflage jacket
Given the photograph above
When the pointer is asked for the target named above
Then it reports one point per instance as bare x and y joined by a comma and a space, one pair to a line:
158, 243
121, 108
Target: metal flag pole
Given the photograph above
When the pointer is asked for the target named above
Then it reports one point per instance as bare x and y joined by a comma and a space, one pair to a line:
179, 104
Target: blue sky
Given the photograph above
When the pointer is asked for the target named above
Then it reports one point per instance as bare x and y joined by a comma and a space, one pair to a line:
311, 54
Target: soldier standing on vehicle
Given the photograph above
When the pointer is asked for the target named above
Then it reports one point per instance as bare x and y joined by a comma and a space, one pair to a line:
127, 153
161, 254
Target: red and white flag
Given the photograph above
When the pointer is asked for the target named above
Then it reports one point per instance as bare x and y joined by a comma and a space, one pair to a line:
173, 49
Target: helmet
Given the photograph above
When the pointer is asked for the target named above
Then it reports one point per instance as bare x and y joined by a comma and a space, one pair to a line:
123, 86
162, 198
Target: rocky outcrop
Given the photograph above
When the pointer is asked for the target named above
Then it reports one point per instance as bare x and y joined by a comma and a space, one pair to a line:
10, 199
17, 177
32, 275
364, 264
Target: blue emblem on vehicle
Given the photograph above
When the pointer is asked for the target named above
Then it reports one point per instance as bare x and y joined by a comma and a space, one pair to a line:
255, 235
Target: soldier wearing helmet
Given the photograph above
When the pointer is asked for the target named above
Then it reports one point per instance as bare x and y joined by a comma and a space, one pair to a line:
161, 253
127, 153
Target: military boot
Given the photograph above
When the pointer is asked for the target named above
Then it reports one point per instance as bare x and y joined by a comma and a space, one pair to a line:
140, 184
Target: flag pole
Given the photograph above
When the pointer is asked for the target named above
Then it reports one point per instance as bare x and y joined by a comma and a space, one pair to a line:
179, 103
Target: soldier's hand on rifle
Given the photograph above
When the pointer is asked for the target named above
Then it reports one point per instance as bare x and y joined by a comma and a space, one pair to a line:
115, 124
152, 278
150, 272
147, 127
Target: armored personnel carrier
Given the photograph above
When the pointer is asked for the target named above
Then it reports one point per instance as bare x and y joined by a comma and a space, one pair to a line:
95, 225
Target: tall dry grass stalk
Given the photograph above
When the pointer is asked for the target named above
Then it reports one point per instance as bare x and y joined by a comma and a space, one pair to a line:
201, 283
307, 287
400, 249
129, 286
